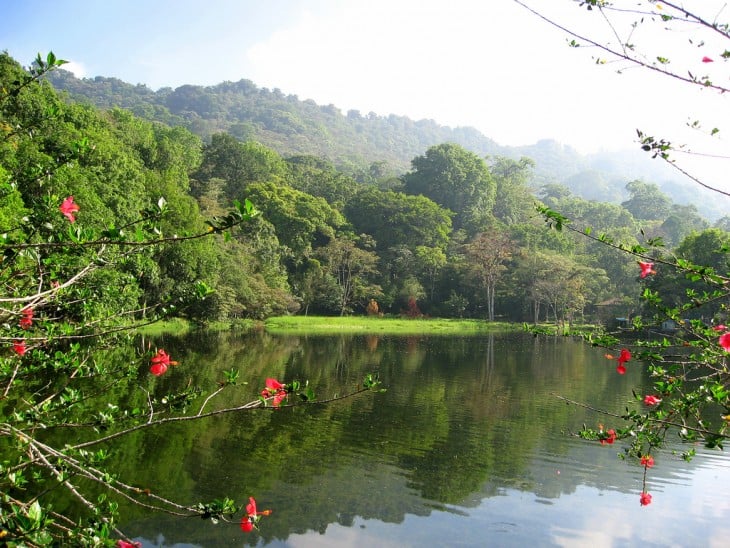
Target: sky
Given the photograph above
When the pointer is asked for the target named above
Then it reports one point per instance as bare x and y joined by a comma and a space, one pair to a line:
489, 64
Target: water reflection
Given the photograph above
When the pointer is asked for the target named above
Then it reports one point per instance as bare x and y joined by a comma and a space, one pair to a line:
468, 444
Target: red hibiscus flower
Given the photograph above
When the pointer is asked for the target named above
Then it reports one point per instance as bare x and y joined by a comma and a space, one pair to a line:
721, 327
651, 400
68, 208
274, 389
646, 269
647, 461
622, 359
624, 356
645, 499
608, 437
246, 524
272, 385
127, 544
160, 362
27, 320
19, 348
251, 518
706, 59
725, 341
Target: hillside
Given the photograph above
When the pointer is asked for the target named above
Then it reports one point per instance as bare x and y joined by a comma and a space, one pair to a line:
353, 141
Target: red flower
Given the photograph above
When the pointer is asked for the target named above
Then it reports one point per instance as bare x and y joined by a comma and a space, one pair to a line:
251, 517
27, 320
624, 356
19, 348
622, 359
276, 389
68, 208
126, 544
725, 341
160, 362
645, 499
246, 524
646, 269
648, 462
158, 369
609, 437
272, 385
651, 400
721, 327
706, 59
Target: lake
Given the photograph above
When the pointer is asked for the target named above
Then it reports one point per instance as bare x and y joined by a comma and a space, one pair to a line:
469, 446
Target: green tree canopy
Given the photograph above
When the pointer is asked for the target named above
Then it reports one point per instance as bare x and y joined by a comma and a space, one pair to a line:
394, 218
238, 165
456, 179
646, 201
301, 221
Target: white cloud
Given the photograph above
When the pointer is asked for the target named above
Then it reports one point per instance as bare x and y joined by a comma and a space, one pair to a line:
75, 67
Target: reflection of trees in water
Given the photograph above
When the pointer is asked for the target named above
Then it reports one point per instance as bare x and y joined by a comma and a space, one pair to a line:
463, 418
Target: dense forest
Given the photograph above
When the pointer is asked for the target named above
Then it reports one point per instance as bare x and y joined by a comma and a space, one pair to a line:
357, 143
454, 233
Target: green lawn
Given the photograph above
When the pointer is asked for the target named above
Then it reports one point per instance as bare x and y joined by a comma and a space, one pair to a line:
390, 326
346, 324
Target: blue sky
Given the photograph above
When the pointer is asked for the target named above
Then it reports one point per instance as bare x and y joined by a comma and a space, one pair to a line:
487, 64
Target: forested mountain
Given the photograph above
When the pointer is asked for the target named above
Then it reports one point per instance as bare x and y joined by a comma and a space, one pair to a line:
354, 141
455, 234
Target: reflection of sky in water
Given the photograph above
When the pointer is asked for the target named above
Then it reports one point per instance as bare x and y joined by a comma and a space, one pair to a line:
691, 512
690, 509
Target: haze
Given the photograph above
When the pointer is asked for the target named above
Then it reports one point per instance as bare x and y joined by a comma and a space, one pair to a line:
491, 65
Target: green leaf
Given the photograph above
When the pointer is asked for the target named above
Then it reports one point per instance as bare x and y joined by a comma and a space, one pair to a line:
35, 512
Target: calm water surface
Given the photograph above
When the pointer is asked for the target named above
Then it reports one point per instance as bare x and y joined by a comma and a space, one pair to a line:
467, 447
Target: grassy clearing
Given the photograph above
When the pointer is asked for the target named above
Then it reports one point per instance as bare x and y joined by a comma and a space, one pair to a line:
385, 326
329, 325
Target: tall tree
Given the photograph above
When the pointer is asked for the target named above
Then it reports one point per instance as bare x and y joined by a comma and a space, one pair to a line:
319, 177
299, 219
238, 164
456, 179
486, 255
351, 266
394, 218
513, 202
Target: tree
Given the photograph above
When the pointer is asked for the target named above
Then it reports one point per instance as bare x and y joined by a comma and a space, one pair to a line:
394, 219
487, 253
319, 178
430, 260
238, 165
646, 201
513, 199
559, 284
350, 266
681, 222
455, 179
300, 220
